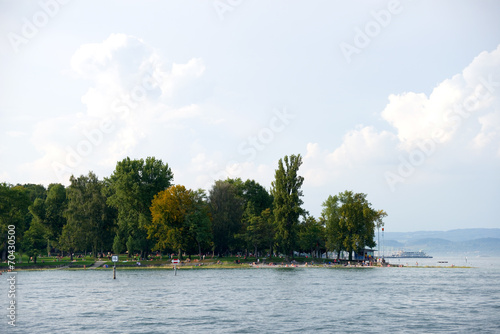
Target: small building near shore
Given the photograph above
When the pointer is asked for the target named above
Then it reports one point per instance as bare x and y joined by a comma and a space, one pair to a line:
367, 254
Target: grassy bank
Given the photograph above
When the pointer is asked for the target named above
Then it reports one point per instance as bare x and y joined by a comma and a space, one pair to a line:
45, 262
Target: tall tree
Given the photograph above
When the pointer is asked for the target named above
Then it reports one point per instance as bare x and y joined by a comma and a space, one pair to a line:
226, 208
133, 185
88, 217
254, 200
258, 230
331, 216
168, 225
287, 193
312, 235
55, 206
252, 192
180, 220
35, 239
35, 191
71, 238
198, 220
14, 203
350, 216
38, 232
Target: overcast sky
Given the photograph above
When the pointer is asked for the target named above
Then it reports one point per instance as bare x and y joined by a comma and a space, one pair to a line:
398, 100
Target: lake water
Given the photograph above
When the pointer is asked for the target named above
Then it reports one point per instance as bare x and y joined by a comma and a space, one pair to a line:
320, 300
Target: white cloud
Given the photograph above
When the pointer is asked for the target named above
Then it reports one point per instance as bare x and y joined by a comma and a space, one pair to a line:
181, 75
439, 116
490, 131
362, 148
130, 99
363, 145
460, 114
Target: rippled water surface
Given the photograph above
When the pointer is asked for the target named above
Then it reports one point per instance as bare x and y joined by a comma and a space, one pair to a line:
364, 300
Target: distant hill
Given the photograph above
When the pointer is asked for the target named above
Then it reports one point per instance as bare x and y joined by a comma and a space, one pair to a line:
478, 241
452, 235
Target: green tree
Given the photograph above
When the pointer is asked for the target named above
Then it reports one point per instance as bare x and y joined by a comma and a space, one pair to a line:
49, 211
88, 217
252, 192
118, 247
198, 220
35, 191
331, 216
133, 185
226, 208
71, 238
352, 220
258, 230
312, 235
35, 239
37, 210
55, 206
14, 203
254, 199
287, 193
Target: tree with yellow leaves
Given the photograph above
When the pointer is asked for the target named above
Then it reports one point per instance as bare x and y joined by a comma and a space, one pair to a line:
179, 217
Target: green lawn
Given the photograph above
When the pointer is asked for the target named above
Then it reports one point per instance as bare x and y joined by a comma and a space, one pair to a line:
125, 261
48, 262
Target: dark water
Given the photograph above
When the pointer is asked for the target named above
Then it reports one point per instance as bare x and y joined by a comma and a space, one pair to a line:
388, 300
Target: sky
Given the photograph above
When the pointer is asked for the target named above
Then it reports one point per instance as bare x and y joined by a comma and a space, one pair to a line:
399, 100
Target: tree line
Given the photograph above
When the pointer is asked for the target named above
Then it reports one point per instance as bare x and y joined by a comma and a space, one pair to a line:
140, 210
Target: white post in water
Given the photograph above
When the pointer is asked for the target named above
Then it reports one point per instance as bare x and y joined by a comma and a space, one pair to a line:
175, 262
114, 258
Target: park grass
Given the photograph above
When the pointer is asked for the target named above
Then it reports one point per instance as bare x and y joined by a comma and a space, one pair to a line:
45, 262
